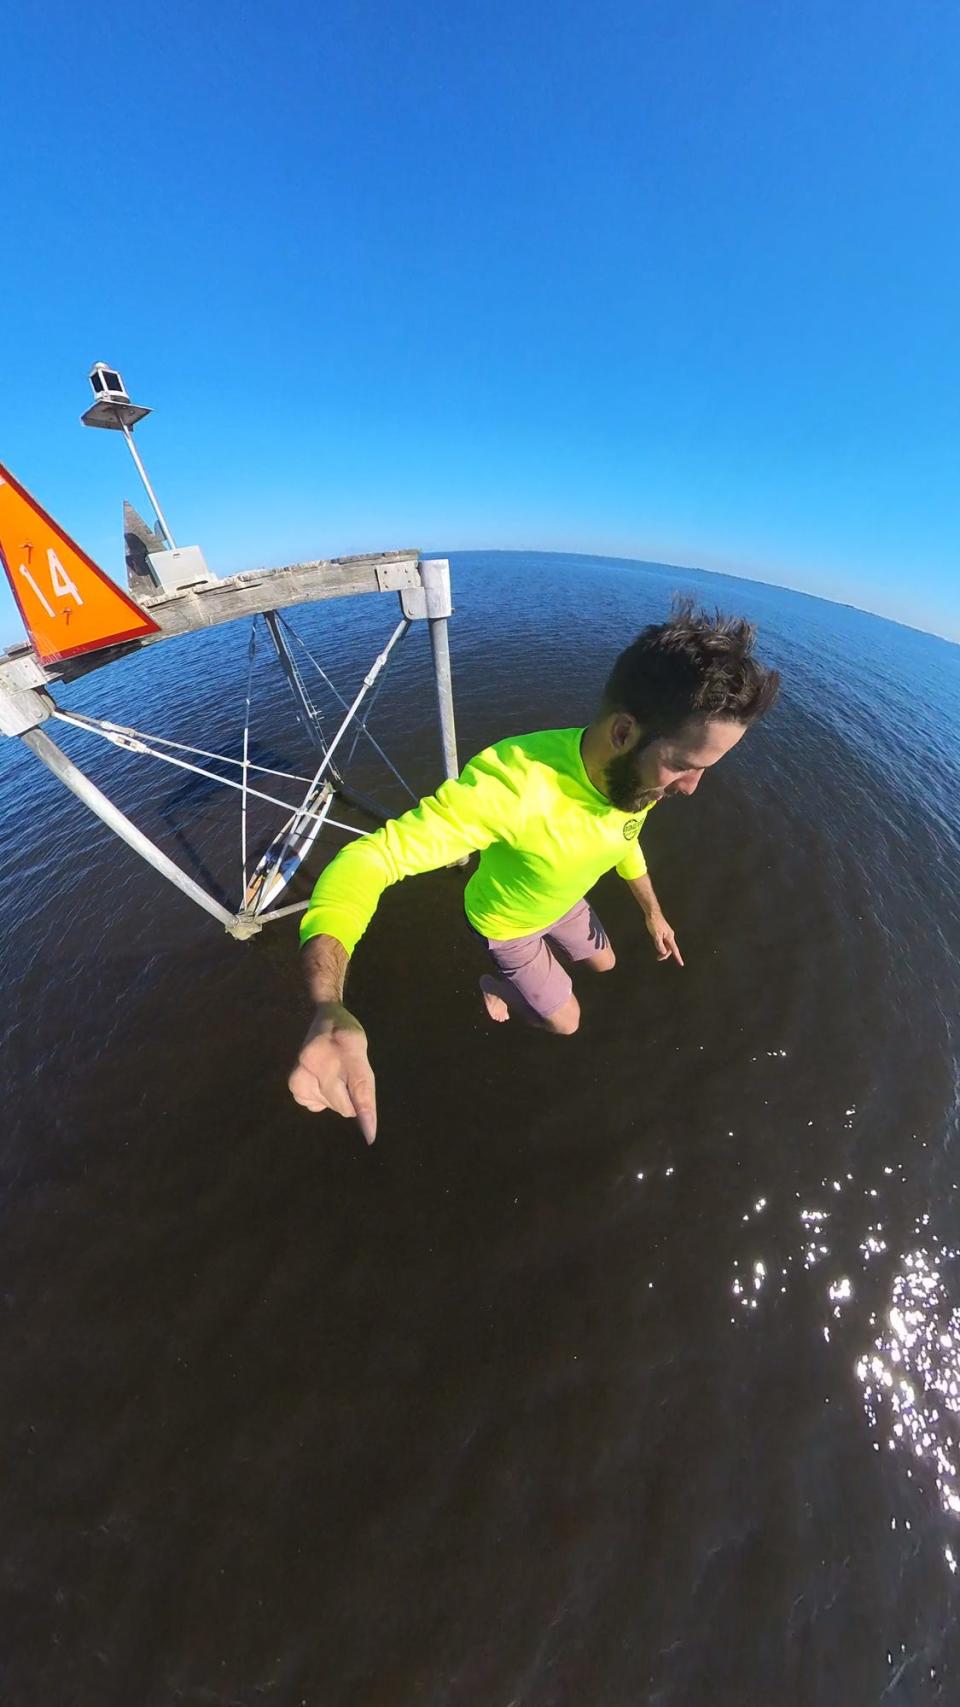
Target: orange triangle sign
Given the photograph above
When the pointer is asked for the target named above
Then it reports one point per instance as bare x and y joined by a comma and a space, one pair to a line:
69, 606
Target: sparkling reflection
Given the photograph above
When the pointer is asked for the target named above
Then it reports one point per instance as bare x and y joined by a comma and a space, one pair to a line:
911, 1376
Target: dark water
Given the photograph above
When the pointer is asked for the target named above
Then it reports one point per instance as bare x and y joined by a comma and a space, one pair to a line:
625, 1368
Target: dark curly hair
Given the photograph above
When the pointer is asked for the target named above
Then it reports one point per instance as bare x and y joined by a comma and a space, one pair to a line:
693, 665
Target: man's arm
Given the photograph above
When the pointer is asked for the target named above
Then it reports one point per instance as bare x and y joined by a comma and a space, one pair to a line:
664, 940
332, 1069
325, 962
466, 814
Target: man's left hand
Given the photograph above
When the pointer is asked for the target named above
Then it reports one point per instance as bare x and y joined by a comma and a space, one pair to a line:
664, 940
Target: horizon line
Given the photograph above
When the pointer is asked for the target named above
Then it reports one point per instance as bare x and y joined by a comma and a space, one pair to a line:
651, 562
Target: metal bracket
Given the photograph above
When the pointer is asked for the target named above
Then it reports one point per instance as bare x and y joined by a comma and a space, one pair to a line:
243, 926
396, 577
22, 670
430, 596
22, 708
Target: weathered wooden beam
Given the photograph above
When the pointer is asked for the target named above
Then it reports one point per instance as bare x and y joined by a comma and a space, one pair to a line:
273, 589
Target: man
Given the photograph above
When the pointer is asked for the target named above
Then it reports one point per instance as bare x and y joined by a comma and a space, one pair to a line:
549, 814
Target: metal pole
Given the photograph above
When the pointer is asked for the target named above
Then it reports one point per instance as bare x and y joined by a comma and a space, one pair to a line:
151, 494
379, 663
311, 719
435, 576
307, 711
440, 642
358, 799
79, 784
326, 763
283, 912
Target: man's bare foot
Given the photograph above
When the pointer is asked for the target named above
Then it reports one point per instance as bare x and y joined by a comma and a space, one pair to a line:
493, 1001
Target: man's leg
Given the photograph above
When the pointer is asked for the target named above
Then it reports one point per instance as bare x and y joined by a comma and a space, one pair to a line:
532, 984
501, 999
582, 938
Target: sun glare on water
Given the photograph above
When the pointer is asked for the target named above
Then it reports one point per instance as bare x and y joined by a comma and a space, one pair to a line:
909, 1377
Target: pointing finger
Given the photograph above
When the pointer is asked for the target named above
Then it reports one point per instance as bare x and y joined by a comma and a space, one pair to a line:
363, 1096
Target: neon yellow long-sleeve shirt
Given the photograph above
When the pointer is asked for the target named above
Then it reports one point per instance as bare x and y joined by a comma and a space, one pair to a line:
544, 833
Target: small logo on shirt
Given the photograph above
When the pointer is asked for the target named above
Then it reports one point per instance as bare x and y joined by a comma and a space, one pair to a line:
630, 829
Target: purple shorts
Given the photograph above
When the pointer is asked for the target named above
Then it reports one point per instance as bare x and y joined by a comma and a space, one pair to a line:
530, 965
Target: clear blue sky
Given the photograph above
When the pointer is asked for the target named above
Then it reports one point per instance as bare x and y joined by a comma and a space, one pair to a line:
659, 279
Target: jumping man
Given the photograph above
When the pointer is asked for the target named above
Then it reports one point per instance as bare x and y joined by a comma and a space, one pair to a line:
549, 814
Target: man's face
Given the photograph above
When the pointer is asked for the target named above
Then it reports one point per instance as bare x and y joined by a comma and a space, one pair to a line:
641, 771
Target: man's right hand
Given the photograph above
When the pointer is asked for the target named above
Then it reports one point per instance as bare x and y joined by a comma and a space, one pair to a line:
333, 1071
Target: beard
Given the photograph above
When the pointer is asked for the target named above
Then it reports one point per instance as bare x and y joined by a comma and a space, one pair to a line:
623, 783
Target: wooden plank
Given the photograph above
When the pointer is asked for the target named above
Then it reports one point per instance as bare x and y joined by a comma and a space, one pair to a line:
269, 589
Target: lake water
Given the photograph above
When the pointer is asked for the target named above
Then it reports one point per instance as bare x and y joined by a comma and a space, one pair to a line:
625, 1368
